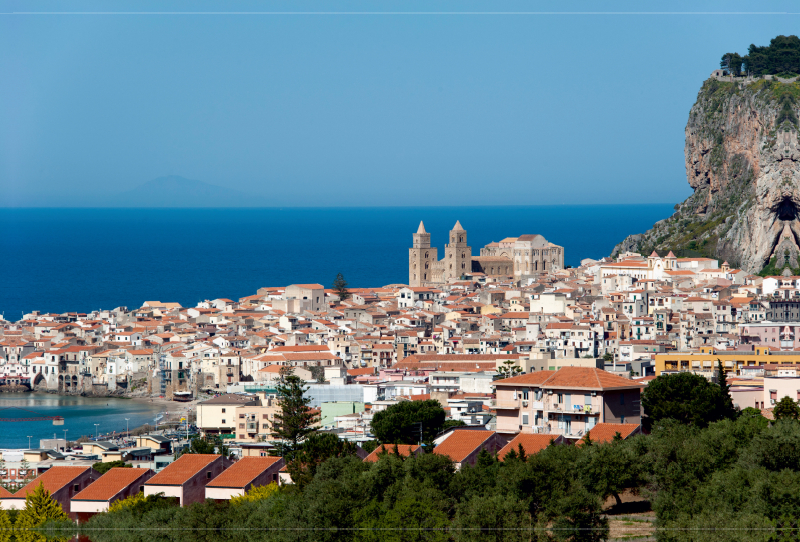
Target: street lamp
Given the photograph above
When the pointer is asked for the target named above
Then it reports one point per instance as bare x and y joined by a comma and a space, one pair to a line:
29, 442
96, 436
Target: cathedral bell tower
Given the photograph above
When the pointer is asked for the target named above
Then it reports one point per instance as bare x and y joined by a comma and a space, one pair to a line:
457, 254
421, 258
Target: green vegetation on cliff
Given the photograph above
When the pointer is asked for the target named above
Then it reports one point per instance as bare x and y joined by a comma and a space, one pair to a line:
780, 57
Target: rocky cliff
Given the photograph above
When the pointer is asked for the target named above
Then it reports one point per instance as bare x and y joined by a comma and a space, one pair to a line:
742, 162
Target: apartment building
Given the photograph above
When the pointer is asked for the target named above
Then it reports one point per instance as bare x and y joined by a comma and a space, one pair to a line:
567, 402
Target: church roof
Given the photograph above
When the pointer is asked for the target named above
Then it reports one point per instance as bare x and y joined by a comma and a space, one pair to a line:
458, 227
671, 255
655, 255
421, 228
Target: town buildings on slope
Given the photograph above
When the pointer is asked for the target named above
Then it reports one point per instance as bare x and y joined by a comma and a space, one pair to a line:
510, 341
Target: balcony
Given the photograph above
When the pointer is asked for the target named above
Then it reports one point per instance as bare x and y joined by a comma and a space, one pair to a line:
574, 409
507, 403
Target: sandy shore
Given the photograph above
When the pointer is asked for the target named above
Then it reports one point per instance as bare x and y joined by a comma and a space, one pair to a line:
167, 405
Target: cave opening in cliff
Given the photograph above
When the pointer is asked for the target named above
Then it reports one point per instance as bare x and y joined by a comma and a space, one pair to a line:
787, 210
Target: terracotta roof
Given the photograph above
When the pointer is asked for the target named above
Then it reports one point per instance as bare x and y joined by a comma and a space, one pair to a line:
301, 348
110, 484
52, 479
5, 493
404, 450
462, 443
178, 472
362, 371
604, 432
532, 443
536, 377
573, 377
243, 472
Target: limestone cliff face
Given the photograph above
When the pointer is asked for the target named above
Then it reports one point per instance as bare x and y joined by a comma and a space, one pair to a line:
742, 160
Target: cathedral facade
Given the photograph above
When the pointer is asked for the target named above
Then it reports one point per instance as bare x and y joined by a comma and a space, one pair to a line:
517, 257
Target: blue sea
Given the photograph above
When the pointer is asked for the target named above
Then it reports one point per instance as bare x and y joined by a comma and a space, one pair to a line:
83, 416
78, 260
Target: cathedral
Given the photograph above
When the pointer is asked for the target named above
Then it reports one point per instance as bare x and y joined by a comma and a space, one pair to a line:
518, 257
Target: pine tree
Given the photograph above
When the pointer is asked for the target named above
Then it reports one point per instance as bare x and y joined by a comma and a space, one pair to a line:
39, 507
786, 409
340, 287
5, 525
296, 419
522, 456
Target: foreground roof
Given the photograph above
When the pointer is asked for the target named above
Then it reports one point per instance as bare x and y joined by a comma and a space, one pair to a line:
462, 443
243, 472
53, 480
110, 484
604, 432
181, 470
531, 442
404, 450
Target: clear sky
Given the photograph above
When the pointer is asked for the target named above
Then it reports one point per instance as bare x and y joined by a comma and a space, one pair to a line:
368, 108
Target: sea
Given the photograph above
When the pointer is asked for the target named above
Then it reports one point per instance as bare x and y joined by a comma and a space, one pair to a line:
80, 416
79, 260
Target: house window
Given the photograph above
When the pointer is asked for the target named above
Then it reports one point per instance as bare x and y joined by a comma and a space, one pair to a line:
223, 411
525, 394
223, 420
208, 475
560, 398
622, 398
76, 487
524, 419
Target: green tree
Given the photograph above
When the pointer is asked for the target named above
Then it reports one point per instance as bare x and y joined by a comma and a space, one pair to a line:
315, 449
509, 369
318, 373
452, 423
687, 398
103, 468
608, 469
608, 357
295, 420
39, 508
209, 445
340, 287
256, 494
786, 409
722, 379
732, 62
5, 526
502, 518
401, 423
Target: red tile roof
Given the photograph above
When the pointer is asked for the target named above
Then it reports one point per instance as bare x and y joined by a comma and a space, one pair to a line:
532, 443
52, 479
243, 472
462, 443
184, 468
604, 432
5, 493
110, 484
404, 450
573, 378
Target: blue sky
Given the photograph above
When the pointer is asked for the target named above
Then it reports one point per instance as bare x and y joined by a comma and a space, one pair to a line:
453, 108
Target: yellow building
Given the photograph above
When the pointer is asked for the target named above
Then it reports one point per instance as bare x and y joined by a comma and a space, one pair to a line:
704, 360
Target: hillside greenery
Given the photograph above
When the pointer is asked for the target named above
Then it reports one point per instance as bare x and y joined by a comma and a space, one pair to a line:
735, 479
780, 57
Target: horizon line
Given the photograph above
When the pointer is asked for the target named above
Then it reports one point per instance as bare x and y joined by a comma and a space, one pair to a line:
284, 207
412, 13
